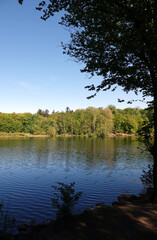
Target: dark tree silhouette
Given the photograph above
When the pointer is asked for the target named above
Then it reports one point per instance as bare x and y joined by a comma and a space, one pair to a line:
20, 1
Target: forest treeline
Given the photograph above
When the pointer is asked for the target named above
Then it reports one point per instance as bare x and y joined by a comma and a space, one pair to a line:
90, 121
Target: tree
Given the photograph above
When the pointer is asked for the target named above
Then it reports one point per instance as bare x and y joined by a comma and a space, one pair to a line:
43, 113
115, 39
20, 1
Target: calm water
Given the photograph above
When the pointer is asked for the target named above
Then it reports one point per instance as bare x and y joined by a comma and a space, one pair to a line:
101, 168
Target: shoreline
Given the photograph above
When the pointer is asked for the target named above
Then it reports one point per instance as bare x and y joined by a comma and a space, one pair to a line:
28, 135
129, 218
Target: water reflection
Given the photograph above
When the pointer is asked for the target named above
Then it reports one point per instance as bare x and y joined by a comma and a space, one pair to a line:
101, 168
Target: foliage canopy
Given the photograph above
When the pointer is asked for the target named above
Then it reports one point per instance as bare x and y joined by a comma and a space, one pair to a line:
90, 122
115, 39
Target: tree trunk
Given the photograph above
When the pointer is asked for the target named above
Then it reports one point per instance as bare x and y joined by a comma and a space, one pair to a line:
155, 133
153, 72
155, 146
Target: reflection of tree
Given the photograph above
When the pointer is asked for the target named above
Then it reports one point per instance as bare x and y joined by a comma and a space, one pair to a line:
41, 147
15, 151
68, 149
78, 152
96, 152
93, 151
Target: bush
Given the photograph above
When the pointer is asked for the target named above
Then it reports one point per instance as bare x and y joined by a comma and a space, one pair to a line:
147, 177
7, 223
65, 200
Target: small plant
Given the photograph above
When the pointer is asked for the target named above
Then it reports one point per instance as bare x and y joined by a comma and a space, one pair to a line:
7, 223
147, 177
65, 200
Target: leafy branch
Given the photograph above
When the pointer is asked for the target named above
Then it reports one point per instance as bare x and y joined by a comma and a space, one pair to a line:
65, 200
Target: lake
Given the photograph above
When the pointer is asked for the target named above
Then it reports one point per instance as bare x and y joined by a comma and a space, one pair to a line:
101, 168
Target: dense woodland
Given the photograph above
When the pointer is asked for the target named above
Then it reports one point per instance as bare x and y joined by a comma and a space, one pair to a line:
90, 121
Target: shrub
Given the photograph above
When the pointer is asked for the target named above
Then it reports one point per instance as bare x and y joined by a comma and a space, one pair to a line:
7, 223
147, 177
65, 200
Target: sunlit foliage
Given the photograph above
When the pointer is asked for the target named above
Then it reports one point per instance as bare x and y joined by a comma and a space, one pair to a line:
90, 121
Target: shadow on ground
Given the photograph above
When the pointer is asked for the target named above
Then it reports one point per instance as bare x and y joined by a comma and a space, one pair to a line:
129, 221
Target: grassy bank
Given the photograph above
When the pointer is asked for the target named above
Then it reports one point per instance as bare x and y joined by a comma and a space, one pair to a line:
20, 134
4, 134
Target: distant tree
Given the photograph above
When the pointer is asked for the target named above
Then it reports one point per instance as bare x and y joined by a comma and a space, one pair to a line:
44, 113
39, 112
112, 108
91, 121
61, 122
104, 123
67, 109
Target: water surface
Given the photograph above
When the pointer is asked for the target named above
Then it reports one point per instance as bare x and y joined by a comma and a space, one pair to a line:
101, 168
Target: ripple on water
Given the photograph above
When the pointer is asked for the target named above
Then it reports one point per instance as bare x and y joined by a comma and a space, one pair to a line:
101, 168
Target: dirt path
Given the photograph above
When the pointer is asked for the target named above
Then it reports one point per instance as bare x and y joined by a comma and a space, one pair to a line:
128, 221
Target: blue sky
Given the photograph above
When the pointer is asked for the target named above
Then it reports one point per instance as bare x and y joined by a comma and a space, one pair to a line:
33, 71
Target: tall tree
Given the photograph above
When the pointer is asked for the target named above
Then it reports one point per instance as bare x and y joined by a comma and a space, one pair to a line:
115, 39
